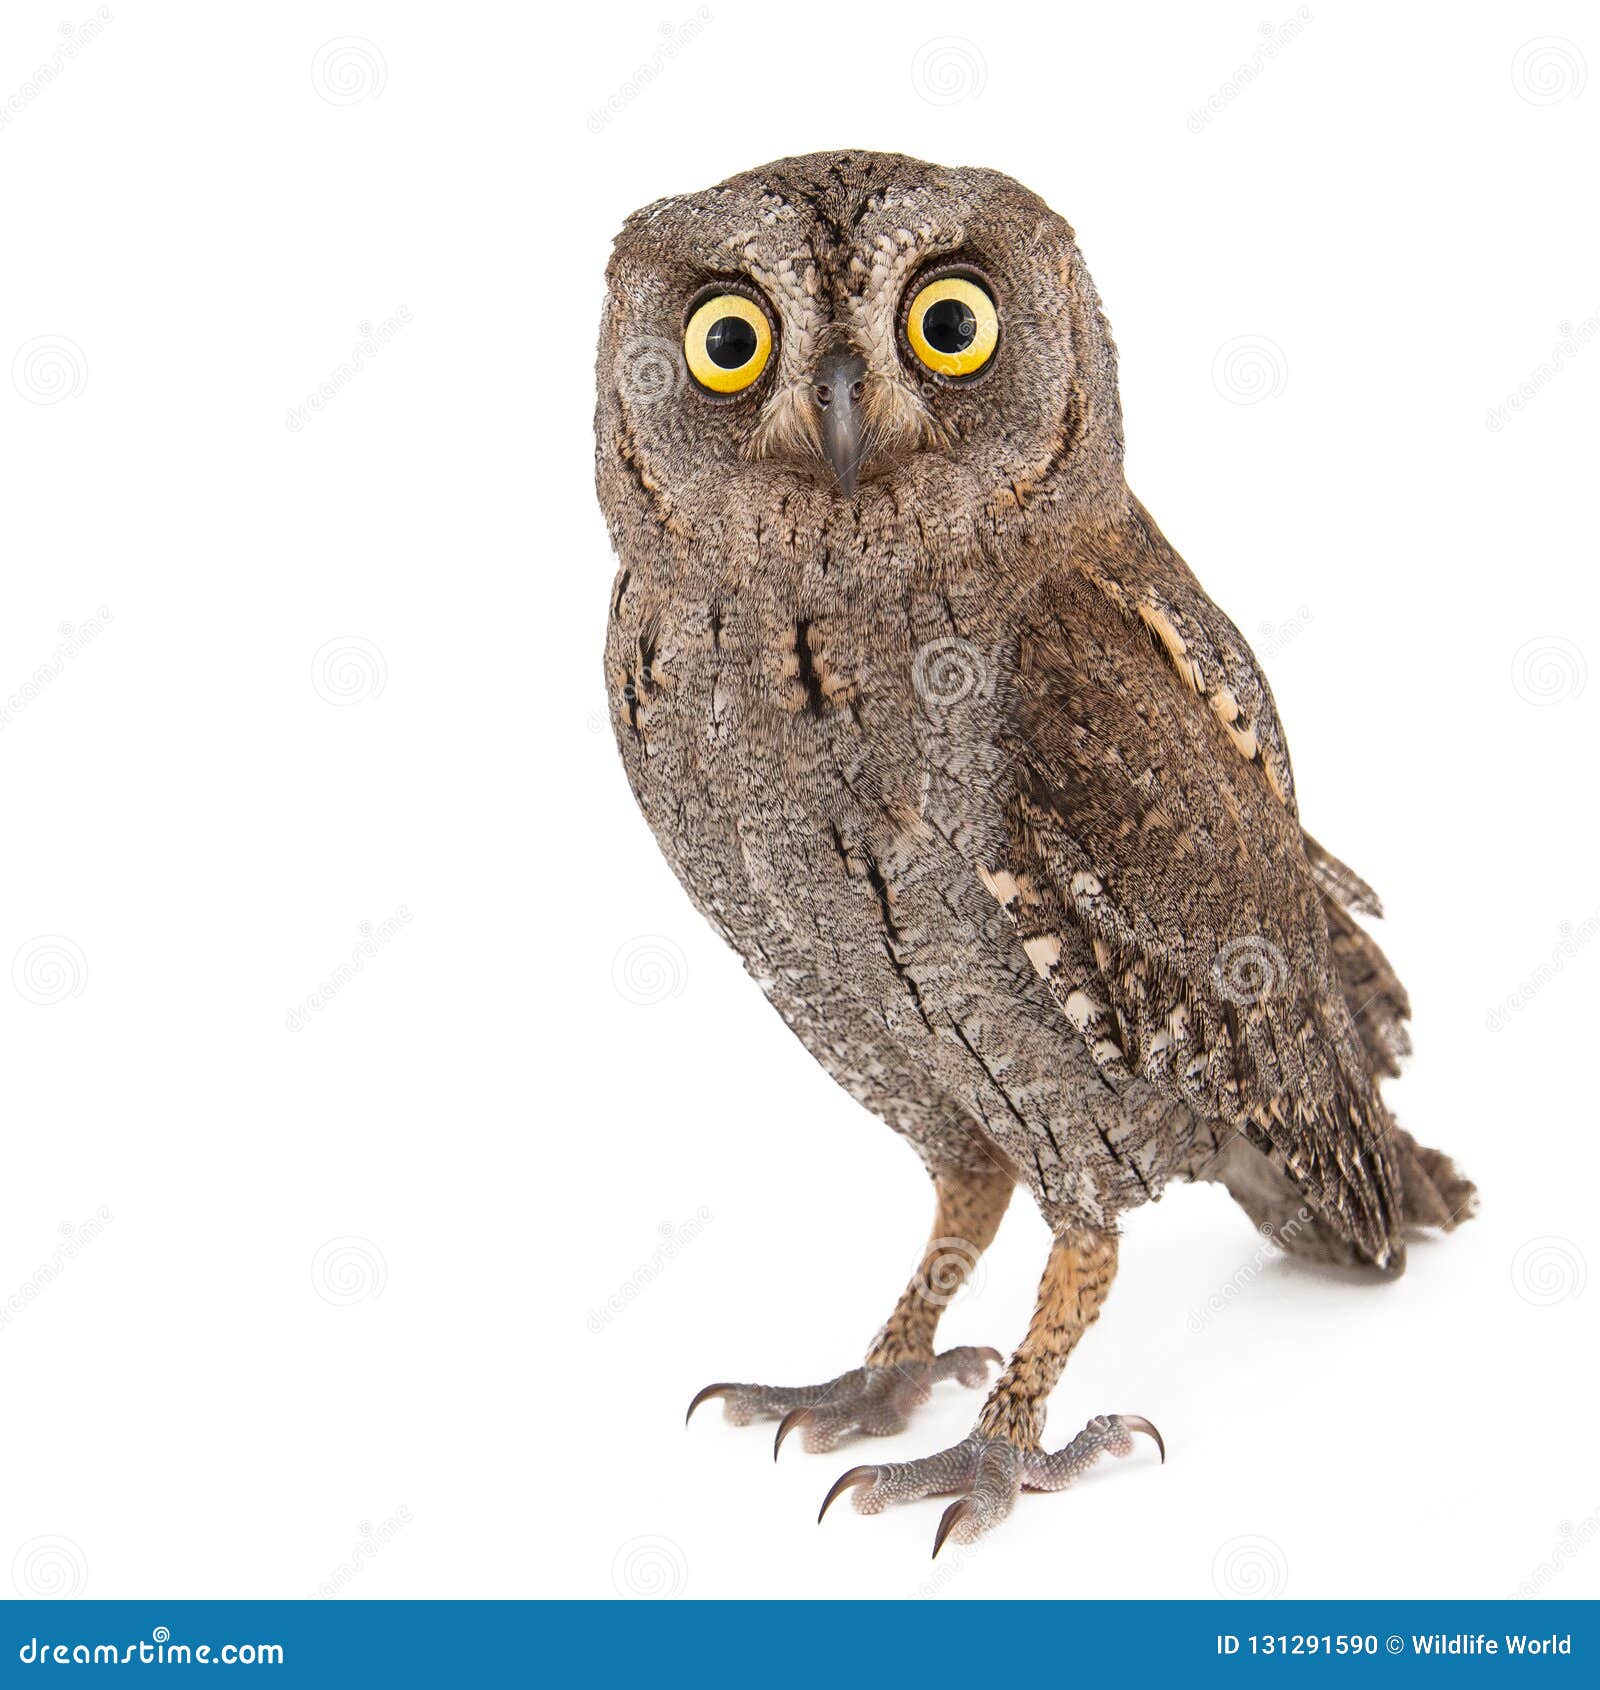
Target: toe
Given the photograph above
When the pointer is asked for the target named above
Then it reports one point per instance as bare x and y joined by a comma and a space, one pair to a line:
1106, 1434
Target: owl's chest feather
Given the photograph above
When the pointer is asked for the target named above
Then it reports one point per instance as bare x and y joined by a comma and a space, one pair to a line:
777, 747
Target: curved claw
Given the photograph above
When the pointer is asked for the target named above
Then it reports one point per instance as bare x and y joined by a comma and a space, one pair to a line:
856, 1476
705, 1396
1138, 1423
795, 1417
953, 1515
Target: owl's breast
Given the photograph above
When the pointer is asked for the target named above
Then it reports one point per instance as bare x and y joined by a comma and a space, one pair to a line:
790, 751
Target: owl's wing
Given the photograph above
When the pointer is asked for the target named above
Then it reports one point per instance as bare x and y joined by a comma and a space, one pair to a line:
1158, 819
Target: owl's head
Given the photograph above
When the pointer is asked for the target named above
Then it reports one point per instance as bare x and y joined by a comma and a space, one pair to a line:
848, 335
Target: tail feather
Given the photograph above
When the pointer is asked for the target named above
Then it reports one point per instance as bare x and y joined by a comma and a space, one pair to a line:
1433, 1192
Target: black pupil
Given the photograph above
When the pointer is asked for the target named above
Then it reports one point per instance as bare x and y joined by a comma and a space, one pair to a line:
730, 343
949, 326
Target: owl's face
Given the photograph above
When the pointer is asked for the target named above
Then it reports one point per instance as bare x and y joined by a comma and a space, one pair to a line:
839, 335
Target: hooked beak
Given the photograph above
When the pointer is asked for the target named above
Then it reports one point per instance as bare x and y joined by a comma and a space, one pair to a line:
836, 390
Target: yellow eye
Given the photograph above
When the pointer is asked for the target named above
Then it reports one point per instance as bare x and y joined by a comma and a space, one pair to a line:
953, 326
727, 343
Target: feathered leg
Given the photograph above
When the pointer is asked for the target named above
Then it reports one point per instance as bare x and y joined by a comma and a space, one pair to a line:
901, 1368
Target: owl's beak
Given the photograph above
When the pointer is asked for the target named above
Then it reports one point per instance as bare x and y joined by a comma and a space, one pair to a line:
836, 388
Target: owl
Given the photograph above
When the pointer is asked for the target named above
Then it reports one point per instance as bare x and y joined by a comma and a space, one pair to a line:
944, 738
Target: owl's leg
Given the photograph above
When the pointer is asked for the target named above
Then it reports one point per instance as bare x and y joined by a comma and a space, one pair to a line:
901, 1368
1003, 1454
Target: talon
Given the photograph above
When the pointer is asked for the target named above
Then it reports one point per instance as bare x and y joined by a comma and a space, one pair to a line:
1138, 1423
795, 1417
856, 1476
705, 1395
953, 1515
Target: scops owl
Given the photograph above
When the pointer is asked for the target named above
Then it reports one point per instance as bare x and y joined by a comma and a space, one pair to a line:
948, 743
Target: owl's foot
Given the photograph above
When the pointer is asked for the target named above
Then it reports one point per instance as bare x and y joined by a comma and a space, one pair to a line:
986, 1474
874, 1400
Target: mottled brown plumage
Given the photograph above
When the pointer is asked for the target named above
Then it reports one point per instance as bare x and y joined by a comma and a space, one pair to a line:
953, 749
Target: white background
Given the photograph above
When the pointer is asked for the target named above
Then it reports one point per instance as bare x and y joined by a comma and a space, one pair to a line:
348, 1309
